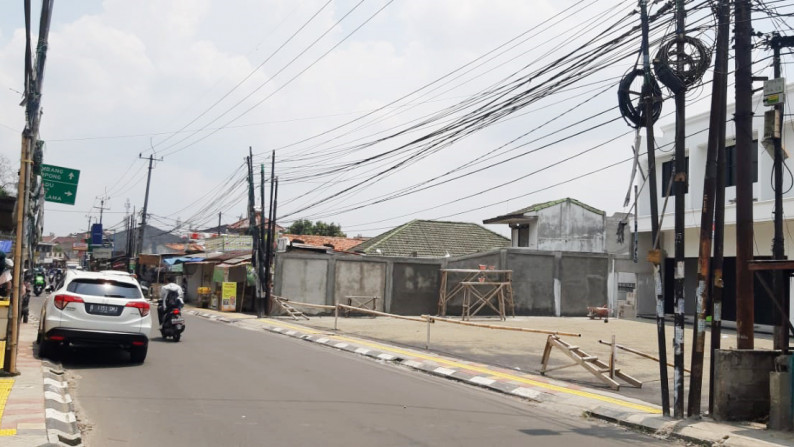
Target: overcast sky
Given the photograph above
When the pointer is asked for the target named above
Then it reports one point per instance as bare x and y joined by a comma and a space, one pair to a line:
353, 96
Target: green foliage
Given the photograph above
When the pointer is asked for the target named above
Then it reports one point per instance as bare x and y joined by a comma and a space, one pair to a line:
319, 228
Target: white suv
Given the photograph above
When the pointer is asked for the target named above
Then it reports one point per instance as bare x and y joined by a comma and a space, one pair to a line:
98, 309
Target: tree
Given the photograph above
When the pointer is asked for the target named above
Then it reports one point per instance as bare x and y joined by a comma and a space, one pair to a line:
319, 228
8, 177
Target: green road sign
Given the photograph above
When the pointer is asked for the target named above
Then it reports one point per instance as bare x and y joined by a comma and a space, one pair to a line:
60, 184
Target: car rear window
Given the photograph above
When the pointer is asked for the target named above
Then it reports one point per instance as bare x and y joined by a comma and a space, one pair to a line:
104, 287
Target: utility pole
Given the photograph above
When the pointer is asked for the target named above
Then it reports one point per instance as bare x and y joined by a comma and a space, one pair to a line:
270, 230
745, 300
649, 99
271, 236
781, 334
101, 206
720, 78
142, 230
718, 104
33, 79
255, 257
680, 183
262, 250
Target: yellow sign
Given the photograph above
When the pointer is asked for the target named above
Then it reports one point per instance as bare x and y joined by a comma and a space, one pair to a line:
229, 297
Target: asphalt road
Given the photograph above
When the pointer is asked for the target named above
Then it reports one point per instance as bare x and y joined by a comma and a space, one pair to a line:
223, 385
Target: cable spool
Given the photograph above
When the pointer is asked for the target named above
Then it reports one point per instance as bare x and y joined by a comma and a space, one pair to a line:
630, 101
694, 62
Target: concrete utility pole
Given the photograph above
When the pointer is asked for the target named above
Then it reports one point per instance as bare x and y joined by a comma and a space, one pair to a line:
648, 99
745, 300
718, 104
34, 78
142, 229
781, 335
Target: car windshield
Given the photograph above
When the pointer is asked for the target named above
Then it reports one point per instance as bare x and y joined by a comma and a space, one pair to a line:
104, 287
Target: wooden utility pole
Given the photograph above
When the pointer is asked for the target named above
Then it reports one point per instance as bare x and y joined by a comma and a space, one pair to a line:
745, 300
649, 99
718, 104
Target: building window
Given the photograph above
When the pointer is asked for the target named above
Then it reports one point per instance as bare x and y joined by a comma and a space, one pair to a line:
730, 164
523, 235
667, 171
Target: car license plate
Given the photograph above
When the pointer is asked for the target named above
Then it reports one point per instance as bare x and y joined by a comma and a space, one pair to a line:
103, 309
177, 321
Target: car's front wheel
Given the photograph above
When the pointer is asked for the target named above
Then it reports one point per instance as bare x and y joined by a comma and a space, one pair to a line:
138, 353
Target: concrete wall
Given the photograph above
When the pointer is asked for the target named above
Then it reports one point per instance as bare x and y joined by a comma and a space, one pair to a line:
306, 278
584, 283
533, 281
741, 384
560, 283
569, 227
417, 287
360, 278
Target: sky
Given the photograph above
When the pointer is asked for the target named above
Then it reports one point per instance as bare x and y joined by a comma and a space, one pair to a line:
378, 111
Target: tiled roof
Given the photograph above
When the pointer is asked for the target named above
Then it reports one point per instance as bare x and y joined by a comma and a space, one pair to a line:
434, 239
243, 224
337, 243
540, 206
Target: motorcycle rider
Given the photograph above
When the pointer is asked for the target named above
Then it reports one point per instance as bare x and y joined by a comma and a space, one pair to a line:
164, 292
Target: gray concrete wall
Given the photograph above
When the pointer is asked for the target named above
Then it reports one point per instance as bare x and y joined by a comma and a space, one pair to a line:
610, 231
417, 286
583, 283
569, 227
533, 281
741, 384
304, 279
360, 277
544, 283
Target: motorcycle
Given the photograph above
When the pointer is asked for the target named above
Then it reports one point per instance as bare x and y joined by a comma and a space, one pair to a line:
38, 284
173, 323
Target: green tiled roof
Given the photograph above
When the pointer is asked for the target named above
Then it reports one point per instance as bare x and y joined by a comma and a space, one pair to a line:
539, 206
434, 239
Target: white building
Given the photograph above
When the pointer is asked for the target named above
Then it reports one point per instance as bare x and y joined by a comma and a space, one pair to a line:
763, 207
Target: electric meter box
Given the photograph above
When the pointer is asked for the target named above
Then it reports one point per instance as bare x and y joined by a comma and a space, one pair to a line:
774, 91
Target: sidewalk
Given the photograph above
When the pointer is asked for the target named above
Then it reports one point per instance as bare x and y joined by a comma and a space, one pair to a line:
35, 407
508, 362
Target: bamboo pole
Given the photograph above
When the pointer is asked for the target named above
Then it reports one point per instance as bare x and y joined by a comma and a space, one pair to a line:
382, 314
507, 328
639, 353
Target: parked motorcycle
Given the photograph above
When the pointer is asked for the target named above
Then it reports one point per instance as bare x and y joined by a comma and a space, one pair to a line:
38, 284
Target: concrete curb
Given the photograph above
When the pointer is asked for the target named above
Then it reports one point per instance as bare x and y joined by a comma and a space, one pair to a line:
59, 411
